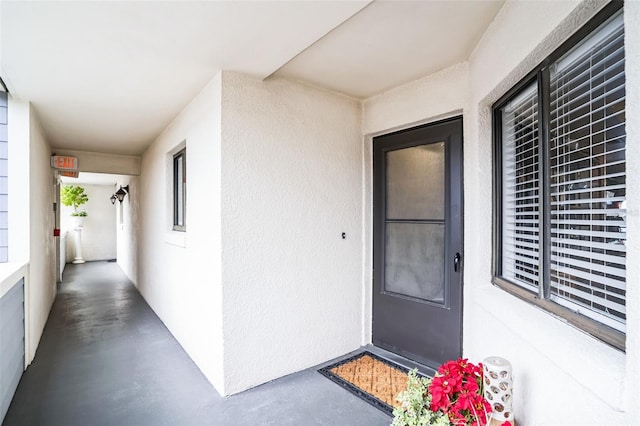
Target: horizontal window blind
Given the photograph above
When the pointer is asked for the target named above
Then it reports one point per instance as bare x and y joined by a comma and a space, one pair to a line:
587, 177
521, 183
561, 137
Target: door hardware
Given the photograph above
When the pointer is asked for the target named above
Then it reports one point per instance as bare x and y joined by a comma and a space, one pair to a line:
456, 262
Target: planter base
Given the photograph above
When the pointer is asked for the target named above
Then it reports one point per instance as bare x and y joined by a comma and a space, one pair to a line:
78, 258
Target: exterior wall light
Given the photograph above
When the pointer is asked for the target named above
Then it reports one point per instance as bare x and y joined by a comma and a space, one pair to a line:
113, 199
120, 193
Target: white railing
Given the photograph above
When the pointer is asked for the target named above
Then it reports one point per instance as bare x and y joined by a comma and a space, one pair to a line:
62, 255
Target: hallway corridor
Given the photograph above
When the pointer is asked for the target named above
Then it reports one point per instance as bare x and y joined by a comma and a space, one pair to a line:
106, 359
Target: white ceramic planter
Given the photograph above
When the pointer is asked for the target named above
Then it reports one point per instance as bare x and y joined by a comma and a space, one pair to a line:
78, 221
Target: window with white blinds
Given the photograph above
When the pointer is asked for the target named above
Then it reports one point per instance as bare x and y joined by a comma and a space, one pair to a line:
587, 176
521, 185
562, 177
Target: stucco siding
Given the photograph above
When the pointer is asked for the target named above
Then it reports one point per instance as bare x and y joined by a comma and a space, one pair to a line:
178, 273
291, 185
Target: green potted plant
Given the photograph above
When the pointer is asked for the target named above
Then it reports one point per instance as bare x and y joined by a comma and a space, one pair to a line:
74, 195
415, 405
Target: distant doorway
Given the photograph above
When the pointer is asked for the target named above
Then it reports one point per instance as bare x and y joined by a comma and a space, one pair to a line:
99, 229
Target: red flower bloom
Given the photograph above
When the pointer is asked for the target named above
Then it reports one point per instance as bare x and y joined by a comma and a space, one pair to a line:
457, 392
465, 400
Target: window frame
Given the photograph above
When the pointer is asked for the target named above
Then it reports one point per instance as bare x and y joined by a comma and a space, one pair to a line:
176, 181
541, 75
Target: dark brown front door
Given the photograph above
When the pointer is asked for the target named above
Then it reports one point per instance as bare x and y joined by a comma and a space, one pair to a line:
417, 297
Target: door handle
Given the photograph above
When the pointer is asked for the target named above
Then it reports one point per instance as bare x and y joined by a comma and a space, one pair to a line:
456, 262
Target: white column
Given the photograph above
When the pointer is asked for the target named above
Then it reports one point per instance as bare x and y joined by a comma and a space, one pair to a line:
78, 258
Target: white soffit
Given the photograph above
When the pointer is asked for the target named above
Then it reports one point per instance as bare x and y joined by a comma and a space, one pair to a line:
390, 43
109, 76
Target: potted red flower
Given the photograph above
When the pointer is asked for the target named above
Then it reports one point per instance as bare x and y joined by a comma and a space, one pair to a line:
457, 392
454, 396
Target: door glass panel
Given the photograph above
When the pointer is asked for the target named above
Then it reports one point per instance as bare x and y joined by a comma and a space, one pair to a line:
414, 260
415, 182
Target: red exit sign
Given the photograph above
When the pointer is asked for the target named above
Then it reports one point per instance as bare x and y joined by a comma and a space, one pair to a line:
69, 173
64, 162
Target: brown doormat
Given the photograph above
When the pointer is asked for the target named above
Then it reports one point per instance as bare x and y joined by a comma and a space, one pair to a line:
376, 380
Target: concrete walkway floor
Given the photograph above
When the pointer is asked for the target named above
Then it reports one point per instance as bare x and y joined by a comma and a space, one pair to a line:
106, 359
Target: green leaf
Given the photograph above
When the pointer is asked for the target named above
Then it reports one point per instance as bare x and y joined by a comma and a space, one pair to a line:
415, 401
73, 195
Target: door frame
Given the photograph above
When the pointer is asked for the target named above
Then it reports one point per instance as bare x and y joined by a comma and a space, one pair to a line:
457, 227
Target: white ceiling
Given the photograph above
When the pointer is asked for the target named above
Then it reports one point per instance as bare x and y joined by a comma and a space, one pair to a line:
393, 42
109, 76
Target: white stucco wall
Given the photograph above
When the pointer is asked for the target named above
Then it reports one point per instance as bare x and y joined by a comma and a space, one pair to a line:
31, 217
179, 273
563, 376
99, 232
291, 184
42, 254
127, 228
435, 96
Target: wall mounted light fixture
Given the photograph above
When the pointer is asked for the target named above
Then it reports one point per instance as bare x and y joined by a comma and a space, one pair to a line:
120, 193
